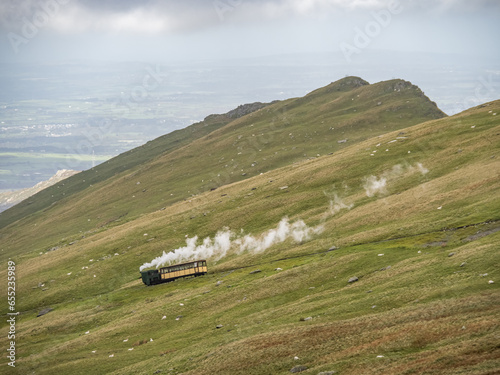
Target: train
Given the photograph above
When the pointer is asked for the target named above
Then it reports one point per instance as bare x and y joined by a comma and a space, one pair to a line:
171, 273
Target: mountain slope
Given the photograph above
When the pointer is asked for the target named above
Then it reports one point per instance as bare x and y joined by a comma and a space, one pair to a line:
150, 178
413, 214
396, 271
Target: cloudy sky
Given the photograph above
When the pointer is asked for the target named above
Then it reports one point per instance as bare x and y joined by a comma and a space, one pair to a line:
177, 30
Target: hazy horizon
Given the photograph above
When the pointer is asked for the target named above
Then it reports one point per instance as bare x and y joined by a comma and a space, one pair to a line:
112, 30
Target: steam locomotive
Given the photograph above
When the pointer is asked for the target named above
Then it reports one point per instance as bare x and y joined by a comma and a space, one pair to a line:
170, 273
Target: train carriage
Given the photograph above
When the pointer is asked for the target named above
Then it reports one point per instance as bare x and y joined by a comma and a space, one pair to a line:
170, 273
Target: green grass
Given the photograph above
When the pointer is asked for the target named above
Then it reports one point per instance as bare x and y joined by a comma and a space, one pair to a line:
422, 308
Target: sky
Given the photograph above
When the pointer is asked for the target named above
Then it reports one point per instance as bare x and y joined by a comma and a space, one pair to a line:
173, 30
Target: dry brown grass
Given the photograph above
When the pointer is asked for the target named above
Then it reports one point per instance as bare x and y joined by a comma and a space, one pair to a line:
432, 339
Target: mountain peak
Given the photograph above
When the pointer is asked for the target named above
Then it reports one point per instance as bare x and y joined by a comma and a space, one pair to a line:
342, 85
347, 84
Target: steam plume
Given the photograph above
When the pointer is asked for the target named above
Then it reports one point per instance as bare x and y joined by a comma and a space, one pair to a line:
224, 240
373, 185
378, 185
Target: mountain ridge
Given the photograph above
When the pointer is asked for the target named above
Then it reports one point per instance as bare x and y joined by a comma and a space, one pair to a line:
174, 154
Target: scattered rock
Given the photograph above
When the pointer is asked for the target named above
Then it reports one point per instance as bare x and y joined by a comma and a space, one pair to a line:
278, 269
451, 254
305, 319
342, 141
333, 248
218, 282
256, 271
491, 282
463, 264
219, 326
481, 234
284, 187
353, 279
45, 311
299, 368
178, 317
245, 109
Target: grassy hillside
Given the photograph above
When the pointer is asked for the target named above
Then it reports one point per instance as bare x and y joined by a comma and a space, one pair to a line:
215, 153
413, 214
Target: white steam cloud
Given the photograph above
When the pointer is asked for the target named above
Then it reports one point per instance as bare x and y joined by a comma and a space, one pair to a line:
225, 240
337, 204
373, 185
378, 185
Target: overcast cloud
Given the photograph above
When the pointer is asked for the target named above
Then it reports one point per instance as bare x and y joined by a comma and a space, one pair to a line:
173, 16
44, 30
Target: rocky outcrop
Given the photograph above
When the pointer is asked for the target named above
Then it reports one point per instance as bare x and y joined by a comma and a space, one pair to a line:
12, 198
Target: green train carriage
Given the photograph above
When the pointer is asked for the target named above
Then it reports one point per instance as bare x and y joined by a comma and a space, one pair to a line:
170, 273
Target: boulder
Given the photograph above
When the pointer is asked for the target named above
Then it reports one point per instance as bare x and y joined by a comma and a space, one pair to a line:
45, 311
299, 368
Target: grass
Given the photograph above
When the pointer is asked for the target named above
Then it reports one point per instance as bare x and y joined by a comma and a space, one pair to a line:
420, 250
415, 307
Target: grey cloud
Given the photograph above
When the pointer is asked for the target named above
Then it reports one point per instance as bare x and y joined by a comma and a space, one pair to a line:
173, 16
